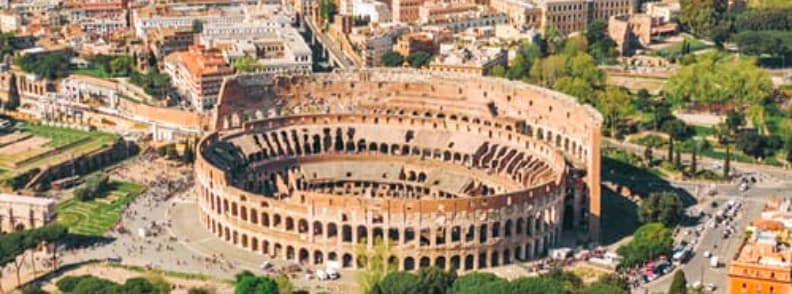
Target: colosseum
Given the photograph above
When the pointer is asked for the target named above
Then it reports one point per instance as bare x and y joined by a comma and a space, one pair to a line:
456, 171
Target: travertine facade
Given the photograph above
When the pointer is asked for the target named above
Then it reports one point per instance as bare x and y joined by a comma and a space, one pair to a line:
451, 171
19, 213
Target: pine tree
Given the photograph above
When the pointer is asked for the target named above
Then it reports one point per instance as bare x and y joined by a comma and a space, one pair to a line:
13, 94
679, 284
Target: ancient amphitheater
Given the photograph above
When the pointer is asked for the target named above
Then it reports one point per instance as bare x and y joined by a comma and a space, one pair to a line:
456, 171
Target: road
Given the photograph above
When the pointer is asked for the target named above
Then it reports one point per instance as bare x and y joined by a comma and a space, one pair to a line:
329, 44
698, 269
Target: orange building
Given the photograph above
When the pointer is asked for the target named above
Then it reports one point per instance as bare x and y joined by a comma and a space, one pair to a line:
764, 263
197, 74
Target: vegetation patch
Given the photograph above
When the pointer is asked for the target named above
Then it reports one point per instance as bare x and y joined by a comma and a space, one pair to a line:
97, 216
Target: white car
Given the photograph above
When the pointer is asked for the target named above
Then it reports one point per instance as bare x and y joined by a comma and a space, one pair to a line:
265, 265
707, 254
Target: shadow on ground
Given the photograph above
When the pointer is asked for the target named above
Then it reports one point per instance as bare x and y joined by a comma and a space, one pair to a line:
620, 214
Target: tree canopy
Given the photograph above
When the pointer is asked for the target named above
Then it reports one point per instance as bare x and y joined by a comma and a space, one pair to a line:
701, 17
392, 59
419, 59
663, 207
714, 79
248, 283
649, 241
678, 284
49, 65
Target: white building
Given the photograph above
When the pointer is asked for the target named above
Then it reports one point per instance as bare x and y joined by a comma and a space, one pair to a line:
373, 10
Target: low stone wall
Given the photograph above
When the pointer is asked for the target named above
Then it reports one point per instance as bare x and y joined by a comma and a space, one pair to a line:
84, 164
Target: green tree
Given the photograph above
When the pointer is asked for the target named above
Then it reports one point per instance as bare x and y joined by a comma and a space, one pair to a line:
715, 79
575, 45
649, 241
553, 40
194, 290
248, 283
498, 71
285, 286
676, 130
546, 71
141, 285
615, 103
600, 45
434, 280
13, 94
520, 66
50, 65
536, 285
327, 10
121, 66
197, 26
567, 280
662, 207
726, 132
472, 280
374, 263
700, 17
392, 59
678, 284
247, 64
419, 59
397, 283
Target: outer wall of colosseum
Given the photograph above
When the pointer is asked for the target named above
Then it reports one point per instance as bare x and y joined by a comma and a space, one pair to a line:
517, 216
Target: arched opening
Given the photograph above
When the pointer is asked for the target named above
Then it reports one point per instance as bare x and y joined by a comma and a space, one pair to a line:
409, 264
347, 260
302, 226
289, 252
468, 262
332, 230
318, 257
440, 262
425, 262
362, 234
346, 233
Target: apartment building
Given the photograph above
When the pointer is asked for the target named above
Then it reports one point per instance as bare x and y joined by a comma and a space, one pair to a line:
406, 11
197, 74
764, 263
166, 40
564, 16
470, 59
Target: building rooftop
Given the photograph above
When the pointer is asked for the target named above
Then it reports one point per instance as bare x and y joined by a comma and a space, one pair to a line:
201, 62
476, 56
18, 199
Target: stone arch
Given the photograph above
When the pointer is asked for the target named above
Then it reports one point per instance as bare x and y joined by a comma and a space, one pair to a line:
332, 230
409, 263
302, 226
304, 256
362, 234
290, 252
424, 262
494, 259
265, 221
440, 262
318, 257
289, 224
346, 233
455, 263
468, 262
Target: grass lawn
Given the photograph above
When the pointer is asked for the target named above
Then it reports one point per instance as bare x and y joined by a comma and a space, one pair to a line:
95, 217
65, 136
91, 71
695, 45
